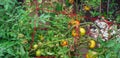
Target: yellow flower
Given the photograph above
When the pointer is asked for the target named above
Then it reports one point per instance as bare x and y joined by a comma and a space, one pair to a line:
87, 8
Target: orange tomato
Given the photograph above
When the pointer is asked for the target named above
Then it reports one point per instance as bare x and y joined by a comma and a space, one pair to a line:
74, 22
74, 33
81, 30
64, 43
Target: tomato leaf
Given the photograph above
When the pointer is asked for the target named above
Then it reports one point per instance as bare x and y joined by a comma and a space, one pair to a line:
110, 43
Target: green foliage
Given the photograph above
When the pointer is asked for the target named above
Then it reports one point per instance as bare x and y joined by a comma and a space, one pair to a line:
58, 7
118, 19
13, 21
94, 3
12, 49
109, 49
67, 3
53, 36
94, 13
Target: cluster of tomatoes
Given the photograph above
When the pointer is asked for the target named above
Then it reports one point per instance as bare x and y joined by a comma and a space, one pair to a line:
38, 52
82, 32
35, 46
63, 43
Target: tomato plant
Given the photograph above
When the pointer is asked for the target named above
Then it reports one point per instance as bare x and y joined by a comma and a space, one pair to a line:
59, 28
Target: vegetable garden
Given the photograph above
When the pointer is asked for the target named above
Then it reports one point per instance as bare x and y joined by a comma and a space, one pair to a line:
59, 29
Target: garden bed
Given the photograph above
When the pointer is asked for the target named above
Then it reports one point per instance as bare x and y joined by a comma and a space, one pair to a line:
60, 29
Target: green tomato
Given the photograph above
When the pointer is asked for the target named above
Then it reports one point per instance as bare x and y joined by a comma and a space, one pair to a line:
38, 53
35, 46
